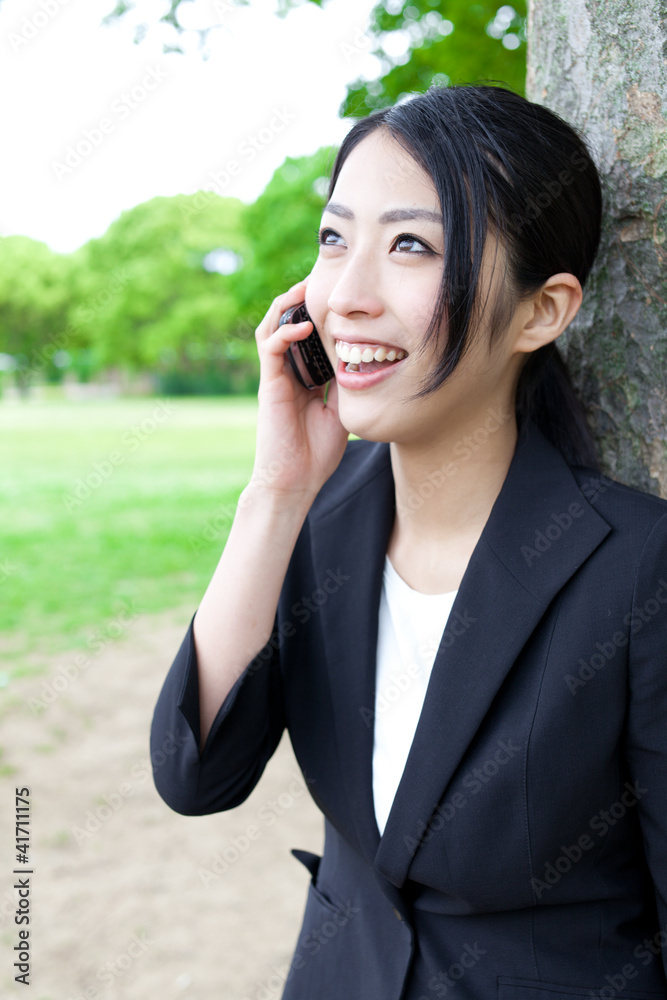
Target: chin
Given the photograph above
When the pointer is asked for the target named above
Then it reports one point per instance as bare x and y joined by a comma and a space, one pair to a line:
363, 424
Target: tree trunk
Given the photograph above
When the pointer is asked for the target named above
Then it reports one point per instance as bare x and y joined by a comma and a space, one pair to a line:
602, 65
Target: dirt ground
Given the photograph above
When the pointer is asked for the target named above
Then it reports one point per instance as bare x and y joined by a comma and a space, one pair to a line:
129, 900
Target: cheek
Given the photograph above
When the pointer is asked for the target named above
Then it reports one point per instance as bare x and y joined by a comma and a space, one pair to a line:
317, 297
421, 304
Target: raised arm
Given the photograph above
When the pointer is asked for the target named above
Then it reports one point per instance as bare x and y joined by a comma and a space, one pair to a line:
300, 442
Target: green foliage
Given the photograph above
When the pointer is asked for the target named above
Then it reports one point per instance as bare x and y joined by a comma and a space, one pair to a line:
35, 286
170, 16
146, 296
281, 227
458, 42
149, 295
452, 41
153, 295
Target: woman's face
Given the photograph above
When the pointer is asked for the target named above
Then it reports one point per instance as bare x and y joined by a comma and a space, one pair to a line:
373, 291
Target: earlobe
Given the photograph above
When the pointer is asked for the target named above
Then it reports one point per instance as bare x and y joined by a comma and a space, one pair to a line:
551, 309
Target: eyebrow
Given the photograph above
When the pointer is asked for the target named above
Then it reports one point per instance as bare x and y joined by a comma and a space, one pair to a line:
394, 215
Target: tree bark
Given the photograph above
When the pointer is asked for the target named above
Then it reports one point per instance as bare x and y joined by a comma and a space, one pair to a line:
602, 65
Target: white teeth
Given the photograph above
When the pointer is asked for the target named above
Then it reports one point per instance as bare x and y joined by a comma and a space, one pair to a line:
355, 355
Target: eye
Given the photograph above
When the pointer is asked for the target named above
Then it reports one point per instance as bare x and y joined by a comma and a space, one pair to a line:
402, 243
329, 238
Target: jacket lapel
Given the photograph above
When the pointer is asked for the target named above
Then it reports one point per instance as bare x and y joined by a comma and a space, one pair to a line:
539, 531
352, 532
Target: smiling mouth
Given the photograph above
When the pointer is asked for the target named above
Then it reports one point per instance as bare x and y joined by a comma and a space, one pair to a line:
368, 357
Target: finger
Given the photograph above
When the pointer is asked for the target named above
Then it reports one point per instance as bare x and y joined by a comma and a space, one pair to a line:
292, 297
283, 336
272, 351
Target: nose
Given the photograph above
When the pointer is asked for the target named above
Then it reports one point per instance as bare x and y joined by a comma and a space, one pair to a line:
356, 291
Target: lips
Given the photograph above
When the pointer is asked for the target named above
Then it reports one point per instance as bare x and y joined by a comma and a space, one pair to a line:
363, 364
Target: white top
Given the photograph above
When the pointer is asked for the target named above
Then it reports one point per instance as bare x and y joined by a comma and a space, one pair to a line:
410, 628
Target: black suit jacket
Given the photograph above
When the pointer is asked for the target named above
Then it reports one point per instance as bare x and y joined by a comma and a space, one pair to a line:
525, 855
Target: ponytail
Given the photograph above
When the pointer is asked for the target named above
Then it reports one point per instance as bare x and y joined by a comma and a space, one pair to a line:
546, 396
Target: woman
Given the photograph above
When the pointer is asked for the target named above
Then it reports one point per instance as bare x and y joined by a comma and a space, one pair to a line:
461, 622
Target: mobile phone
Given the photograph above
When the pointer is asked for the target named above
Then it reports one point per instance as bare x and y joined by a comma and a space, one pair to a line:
308, 358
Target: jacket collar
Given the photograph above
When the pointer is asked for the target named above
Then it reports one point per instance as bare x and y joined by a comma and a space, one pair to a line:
540, 530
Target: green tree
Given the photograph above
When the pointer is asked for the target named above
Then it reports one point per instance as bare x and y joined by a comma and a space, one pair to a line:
35, 285
416, 42
282, 225
419, 42
153, 291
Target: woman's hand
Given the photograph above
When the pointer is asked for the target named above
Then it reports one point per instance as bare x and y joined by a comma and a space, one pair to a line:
300, 440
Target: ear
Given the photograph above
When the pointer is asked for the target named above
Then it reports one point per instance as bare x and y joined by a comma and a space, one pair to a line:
548, 312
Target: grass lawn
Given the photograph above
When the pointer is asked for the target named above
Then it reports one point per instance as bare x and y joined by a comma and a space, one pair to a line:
112, 508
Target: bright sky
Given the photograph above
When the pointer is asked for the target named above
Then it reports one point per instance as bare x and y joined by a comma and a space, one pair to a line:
94, 124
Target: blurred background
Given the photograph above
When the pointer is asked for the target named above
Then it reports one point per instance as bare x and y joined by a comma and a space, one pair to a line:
163, 174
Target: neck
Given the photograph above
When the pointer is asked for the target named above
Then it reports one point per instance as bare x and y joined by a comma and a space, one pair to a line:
445, 488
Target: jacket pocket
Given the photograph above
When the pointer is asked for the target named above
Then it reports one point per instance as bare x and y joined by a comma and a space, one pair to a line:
530, 989
342, 911
307, 858
328, 961
312, 863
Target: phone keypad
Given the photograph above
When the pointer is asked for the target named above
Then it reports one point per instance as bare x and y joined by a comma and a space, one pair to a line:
316, 365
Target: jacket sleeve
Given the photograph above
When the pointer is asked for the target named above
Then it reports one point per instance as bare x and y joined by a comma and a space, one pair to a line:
243, 737
647, 710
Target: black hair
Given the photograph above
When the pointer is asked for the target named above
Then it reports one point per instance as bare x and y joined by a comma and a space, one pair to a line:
501, 163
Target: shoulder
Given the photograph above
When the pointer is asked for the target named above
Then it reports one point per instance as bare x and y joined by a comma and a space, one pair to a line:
625, 508
636, 547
